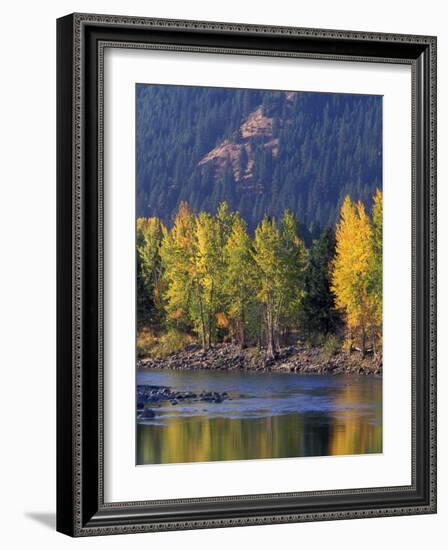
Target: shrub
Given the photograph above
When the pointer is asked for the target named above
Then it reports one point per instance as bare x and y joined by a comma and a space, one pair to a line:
145, 342
171, 342
331, 346
315, 340
151, 345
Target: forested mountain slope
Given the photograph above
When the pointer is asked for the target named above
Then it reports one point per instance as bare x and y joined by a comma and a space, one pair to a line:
261, 151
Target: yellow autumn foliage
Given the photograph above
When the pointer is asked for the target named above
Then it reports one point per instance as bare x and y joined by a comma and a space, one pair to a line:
351, 274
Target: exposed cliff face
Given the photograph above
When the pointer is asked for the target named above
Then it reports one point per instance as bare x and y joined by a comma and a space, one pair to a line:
222, 155
260, 151
256, 125
239, 153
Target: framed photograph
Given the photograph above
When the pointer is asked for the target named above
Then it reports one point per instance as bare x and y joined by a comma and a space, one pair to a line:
246, 274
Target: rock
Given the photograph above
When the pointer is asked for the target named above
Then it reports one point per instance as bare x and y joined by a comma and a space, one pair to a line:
148, 413
222, 357
193, 347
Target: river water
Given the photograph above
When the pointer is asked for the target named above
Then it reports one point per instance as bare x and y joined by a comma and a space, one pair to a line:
268, 416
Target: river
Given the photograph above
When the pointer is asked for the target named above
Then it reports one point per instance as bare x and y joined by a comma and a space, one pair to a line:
268, 416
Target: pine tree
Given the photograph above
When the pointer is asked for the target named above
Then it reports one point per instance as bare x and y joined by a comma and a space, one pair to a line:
318, 306
242, 161
327, 144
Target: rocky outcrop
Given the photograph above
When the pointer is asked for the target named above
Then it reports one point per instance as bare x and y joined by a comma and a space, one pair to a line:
256, 125
230, 151
152, 394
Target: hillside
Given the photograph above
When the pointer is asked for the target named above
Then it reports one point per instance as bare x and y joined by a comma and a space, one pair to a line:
261, 151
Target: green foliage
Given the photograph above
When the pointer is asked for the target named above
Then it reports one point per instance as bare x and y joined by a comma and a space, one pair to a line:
279, 255
193, 256
318, 314
149, 344
240, 281
149, 232
331, 346
171, 342
209, 279
376, 272
145, 342
209, 265
315, 340
329, 145
292, 263
183, 295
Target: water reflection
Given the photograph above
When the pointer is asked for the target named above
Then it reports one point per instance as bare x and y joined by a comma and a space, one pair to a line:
269, 416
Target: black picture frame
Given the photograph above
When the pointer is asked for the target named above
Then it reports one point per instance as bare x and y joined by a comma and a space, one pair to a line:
81, 510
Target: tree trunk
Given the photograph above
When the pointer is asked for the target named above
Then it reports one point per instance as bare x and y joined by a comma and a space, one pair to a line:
260, 330
210, 319
201, 311
276, 340
363, 342
373, 342
270, 344
350, 340
203, 342
242, 329
276, 326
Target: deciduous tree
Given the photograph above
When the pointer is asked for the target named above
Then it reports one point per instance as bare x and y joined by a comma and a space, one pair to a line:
279, 255
376, 270
240, 279
351, 271
149, 233
184, 294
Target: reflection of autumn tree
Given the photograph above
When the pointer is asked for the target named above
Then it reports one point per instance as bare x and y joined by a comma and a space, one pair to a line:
352, 432
202, 439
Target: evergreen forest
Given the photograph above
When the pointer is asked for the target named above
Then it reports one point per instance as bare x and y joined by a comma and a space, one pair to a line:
260, 151
259, 220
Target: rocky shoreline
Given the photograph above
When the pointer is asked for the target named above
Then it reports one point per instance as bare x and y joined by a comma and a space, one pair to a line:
301, 360
156, 395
